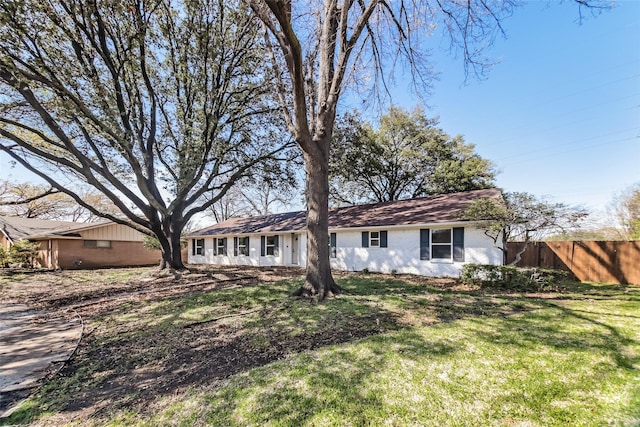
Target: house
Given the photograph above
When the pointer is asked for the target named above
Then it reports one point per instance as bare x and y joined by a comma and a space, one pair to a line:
70, 245
420, 236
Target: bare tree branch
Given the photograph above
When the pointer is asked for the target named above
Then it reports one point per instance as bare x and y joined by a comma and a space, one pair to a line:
24, 201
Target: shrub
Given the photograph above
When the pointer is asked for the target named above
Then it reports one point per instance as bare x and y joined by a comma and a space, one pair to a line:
152, 243
23, 254
512, 278
4, 257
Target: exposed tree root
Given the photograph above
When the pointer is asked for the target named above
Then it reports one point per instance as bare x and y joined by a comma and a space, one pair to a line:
308, 291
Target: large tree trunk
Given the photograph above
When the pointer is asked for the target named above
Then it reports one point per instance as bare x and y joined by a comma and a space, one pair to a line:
319, 282
170, 247
171, 259
176, 252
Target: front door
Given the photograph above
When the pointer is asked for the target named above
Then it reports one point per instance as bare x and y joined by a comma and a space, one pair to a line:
294, 248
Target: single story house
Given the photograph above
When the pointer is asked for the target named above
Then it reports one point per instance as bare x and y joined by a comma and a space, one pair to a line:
420, 236
70, 245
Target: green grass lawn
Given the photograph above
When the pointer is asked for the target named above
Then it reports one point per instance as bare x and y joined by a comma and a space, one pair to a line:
420, 355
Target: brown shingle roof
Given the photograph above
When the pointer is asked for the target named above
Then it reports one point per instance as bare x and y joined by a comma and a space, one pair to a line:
425, 210
17, 228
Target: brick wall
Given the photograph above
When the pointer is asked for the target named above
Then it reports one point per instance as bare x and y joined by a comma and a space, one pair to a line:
4, 242
72, 254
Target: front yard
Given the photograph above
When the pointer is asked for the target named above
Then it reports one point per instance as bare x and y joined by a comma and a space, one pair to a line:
231, 348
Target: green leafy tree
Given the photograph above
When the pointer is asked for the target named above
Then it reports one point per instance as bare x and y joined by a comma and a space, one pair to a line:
23, 253
602, 233
155, 104
152, 242
521, 217
406, 156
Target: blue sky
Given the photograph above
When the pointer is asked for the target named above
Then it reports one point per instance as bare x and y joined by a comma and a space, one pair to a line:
560, 114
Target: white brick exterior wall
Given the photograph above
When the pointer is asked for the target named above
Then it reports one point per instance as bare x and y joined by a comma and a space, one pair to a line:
401, 255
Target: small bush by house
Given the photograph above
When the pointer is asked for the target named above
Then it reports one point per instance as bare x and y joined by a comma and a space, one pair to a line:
512, 278
21, 254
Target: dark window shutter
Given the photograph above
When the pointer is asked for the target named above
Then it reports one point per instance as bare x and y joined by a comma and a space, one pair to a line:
215, 246
276, 245
235, 246
424, 243
247, 247
332, 243
193, 247
458, 244
263, 244
383, 239
365, 239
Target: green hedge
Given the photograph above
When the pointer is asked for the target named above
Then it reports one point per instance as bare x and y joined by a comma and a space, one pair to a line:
514, 278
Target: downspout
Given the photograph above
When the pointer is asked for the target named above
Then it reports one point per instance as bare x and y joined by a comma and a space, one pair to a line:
49, 255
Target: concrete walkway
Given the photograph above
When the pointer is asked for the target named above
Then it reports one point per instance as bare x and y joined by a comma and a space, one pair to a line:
33, 344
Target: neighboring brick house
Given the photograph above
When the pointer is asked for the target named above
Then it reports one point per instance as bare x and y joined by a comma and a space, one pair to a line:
70, 245
423, 236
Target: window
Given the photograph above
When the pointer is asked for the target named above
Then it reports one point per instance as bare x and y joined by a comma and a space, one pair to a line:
241, 246
96, 243
197, 247
374, 239
220, 246
443, 244
332, 245
269, 245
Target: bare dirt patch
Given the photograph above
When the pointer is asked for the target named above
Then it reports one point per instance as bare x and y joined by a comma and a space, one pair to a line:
62, 289
126, 359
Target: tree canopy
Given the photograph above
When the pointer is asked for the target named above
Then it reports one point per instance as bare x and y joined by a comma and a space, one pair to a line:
42, 201
153, 104
405, 156
521, 217
626, 210
271, 186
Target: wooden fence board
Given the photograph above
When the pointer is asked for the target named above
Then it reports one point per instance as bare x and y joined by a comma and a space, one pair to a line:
589, 261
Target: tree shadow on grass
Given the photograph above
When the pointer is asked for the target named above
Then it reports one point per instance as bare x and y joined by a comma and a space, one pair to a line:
134, 364
594, 350
337, 385
553, 327
341, 385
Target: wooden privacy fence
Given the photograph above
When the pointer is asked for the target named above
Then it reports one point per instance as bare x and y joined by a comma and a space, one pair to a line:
589, 261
